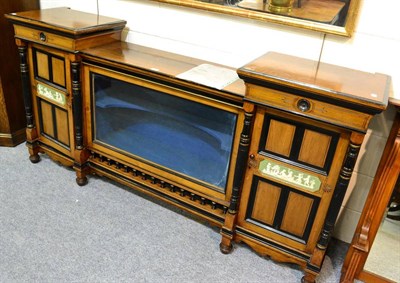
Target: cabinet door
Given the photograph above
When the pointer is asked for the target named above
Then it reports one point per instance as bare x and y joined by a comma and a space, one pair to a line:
293, 166
51, 97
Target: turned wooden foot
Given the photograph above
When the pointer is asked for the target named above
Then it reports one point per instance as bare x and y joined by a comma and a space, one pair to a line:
225, 249
308, 278
81, 181
35, 158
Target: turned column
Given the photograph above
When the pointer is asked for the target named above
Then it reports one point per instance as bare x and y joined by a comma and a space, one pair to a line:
80, 154
227, 230
31, 131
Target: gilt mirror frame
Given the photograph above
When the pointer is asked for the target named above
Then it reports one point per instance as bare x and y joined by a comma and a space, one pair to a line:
346, 30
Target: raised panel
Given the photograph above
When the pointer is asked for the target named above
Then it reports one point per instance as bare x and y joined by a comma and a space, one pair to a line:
297, 213
280, 137
314, 148
58, 68
42, 65
265, 203
308, 145
47, 118
62, 126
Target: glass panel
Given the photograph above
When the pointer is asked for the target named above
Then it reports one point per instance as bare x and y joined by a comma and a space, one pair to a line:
187, 137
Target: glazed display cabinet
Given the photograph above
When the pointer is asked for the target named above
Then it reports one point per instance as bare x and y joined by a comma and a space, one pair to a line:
168, 137
264, 152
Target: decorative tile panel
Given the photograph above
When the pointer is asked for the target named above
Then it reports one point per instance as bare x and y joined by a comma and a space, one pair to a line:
51, 94
288, 175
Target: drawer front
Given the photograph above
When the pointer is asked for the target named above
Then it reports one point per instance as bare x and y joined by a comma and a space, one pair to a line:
322, 111
44, 37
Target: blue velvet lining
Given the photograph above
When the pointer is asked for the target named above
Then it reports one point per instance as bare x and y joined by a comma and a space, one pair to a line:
187, 137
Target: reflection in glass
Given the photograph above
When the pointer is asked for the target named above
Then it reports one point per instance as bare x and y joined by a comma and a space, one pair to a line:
331, 12
384, 257
187, 137
328, 16
221, 2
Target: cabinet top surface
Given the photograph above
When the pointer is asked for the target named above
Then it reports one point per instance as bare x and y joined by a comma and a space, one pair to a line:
336, 82
66, 20
156, 61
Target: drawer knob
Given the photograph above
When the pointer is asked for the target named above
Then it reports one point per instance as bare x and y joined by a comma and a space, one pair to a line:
42, 36
303, 105
252, 161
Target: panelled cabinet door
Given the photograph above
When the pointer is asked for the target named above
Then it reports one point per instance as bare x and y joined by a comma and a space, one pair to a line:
52, 97
290, 177
49, 44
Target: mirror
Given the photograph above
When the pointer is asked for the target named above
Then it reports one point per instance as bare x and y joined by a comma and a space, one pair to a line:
385, 252
327, 16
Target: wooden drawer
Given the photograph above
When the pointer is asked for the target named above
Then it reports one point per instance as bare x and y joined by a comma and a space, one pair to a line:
68, 43
44, 37
312, 108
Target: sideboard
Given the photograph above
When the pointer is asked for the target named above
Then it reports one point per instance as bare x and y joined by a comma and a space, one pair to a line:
264, 152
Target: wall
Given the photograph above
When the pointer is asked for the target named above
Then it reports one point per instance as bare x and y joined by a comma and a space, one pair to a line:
235, 41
